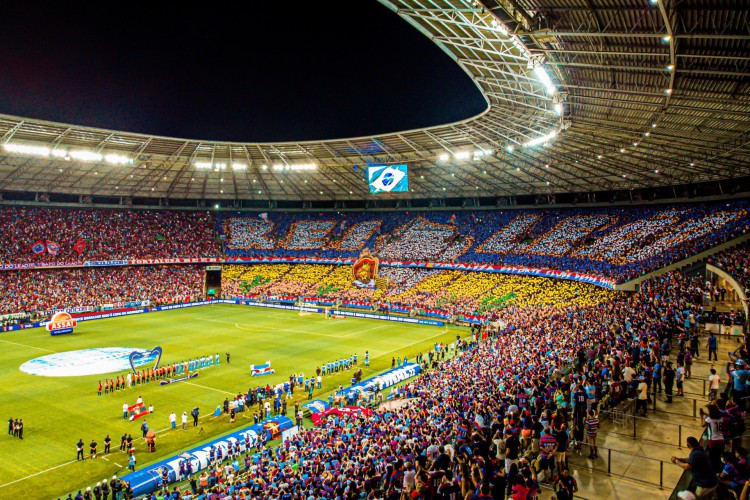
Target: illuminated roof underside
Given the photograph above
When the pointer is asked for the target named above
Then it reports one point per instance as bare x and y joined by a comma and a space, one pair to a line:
581, 97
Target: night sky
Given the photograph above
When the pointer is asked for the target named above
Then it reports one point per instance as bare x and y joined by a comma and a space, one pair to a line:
281, 71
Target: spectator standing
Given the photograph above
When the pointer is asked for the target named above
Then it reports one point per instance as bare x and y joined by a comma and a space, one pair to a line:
669, 375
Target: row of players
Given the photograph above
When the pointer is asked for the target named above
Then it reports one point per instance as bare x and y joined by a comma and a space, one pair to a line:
162, 373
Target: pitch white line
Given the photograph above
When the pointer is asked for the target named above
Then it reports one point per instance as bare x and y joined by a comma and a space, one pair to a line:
24, 345
366, 330
210, 388
289, 330
120, 466
409, 345
36, 474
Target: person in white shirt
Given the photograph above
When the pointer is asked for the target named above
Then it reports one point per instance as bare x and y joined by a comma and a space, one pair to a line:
713, 385
125, 411
628, 373
184, 420
410, 478
642, 398
680, 379
173, 420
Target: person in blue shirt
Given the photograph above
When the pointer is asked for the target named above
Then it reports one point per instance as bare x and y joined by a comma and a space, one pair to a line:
711, 344
740, 377
656, 374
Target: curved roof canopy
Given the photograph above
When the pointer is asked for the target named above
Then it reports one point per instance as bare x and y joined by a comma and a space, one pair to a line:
582, 96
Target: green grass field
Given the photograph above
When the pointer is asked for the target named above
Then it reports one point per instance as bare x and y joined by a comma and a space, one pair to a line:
57, 411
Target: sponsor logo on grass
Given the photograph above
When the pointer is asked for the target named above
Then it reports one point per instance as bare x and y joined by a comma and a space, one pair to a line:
86, 362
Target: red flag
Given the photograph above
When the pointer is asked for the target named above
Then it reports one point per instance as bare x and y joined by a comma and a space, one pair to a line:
80, 246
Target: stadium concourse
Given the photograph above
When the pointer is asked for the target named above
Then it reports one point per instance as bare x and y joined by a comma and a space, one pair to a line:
504, 417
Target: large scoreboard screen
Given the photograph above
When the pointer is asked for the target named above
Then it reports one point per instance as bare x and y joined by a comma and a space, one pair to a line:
388, 178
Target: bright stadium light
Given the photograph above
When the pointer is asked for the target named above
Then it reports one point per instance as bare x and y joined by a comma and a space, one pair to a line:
26, 149
462, 155
295, 167
115, 159
239, 166
204, 165
499, 26
559, 108
83, 155
540, 140
443, 157
544, 78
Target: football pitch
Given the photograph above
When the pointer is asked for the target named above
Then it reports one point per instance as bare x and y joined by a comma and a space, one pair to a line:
57, 411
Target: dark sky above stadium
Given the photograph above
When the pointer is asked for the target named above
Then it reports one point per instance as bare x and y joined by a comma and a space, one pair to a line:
224, 71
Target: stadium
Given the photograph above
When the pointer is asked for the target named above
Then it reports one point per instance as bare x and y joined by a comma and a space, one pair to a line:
547, 299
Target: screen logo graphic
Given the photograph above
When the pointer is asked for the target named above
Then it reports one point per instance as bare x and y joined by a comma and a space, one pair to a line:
388, 178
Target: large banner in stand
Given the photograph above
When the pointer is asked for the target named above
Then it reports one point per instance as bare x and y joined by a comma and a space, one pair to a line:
147, 480
358, 411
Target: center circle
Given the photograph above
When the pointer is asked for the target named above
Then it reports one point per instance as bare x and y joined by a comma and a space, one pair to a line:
87, 362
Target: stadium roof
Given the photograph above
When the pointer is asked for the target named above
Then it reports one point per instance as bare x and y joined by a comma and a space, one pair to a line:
582, 96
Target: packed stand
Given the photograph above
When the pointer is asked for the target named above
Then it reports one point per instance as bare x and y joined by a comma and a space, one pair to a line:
453, 293
616, 242
737, 263
101, 235
31, 291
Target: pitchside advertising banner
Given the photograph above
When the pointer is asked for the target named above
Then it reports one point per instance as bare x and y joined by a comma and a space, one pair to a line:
387, 379
251, 303
351, 314
147, 480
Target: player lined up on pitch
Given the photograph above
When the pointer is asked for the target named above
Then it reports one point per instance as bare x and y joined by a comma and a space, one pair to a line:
166, 372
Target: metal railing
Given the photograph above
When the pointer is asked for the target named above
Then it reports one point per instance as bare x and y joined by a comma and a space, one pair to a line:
641, 427
619, 464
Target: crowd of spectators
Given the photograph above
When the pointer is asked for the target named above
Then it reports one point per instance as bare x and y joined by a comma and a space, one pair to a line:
453, 293
737, 263
500, 419
105, 234
614, 242
617, 242
30, 291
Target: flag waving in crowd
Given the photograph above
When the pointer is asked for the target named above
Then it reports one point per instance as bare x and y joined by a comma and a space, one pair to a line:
52, 247
79, 246
38, 248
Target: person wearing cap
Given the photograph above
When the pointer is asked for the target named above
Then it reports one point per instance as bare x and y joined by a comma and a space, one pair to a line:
105, 489
115, 488
97, 491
